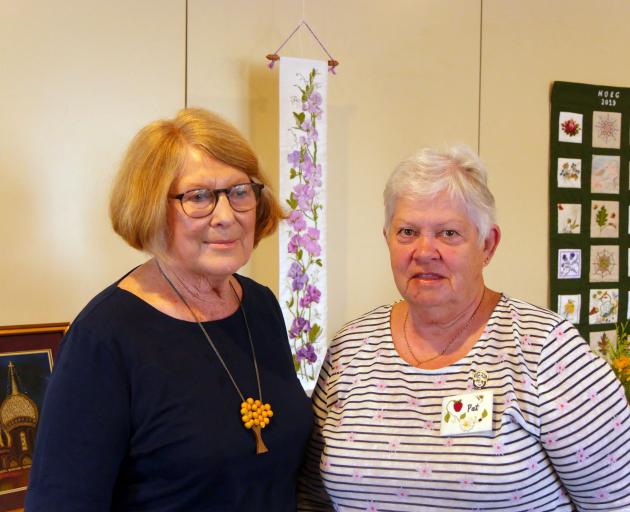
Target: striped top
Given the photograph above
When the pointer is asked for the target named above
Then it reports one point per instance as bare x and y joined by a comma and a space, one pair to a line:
561, 423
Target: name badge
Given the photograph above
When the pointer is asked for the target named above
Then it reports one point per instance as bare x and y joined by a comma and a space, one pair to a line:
466, 414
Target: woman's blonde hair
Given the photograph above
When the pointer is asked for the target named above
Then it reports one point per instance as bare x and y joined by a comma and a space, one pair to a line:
138, 203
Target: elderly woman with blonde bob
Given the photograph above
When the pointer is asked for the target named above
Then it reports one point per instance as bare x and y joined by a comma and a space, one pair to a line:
174, 388
458, 397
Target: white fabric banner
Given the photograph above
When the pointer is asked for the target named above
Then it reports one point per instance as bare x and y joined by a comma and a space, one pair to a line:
303, 85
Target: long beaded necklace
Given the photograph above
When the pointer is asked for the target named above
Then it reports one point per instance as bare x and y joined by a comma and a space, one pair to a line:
448, 345
255, 414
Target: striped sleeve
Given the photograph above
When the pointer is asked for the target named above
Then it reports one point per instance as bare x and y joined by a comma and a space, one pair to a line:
585, 422
312, 495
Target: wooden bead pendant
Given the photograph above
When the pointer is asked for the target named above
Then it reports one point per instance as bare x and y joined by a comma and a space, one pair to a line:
256, 416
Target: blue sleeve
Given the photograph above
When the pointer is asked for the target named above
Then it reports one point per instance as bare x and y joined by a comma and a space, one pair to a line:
83, 431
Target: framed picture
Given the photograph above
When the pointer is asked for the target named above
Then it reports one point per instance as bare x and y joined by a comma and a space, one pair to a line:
27, 353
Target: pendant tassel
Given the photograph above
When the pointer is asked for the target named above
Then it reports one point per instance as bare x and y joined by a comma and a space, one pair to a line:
260, 444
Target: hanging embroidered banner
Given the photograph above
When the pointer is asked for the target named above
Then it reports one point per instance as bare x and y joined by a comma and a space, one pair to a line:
589, 200
303, 85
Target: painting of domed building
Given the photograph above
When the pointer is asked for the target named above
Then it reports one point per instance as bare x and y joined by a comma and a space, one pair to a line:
23, 377
18, 421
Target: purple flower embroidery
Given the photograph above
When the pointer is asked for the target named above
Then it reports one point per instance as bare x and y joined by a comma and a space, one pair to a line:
298, 326
307, 352
297, 276
304, 246
311, 294
304, 195
294, 158
297, 221
294, 244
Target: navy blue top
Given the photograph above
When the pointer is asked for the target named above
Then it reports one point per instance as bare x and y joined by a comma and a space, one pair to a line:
139, 414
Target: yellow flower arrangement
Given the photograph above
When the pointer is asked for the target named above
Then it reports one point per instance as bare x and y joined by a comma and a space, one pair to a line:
618, 353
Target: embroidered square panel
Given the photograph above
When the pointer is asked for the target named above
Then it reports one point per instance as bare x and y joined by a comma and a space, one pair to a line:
589, 182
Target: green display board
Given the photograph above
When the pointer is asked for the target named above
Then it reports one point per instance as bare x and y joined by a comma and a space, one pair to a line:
588, 207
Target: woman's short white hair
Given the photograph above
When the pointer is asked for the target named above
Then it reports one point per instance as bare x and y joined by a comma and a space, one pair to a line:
429, 172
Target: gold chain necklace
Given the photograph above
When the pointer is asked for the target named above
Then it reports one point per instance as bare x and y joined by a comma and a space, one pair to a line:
448, 345
255, 414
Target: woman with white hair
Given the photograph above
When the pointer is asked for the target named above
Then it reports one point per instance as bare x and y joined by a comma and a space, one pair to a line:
458, 397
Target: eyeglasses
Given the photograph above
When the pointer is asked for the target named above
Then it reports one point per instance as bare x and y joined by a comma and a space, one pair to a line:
201, 202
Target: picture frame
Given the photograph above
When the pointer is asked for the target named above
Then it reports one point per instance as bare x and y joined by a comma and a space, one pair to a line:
27, 355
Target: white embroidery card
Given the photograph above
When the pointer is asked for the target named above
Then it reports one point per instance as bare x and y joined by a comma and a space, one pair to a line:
467, 413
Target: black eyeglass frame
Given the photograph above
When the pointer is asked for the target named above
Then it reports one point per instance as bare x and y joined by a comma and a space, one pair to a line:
256, 187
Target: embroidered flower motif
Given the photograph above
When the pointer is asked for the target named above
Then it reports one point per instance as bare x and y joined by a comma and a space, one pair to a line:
498, 448
616, 423
502, 357
378, 415
356, 380
413, 402
532, 465
393, 445
378, 354
425, 471
467, 424
351, 437
371, 507
516, 496
602, 494
562, 498
560, 367
448, 442
307, 352
469, 385
428, 424
612, 459
571, 127
592, 395
527, 340
357, 474
581, 456
466, 482
562, 406
549, 440
381, 385
526, 381
402, 492
560, 333
439, 382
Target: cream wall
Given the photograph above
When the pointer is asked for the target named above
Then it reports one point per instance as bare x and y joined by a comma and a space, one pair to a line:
526, 46
78, 78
